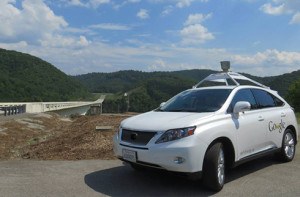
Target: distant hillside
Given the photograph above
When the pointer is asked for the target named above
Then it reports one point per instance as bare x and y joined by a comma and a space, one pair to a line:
148, 89
123, 81
27, 78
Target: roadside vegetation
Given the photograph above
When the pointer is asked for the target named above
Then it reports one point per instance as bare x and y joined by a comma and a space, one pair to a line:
293, 95
298, 117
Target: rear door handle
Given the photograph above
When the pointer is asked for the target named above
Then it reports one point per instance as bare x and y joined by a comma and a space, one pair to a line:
283, 115
260, 118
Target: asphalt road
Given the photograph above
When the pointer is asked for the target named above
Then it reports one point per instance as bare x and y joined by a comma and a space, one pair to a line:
262, 177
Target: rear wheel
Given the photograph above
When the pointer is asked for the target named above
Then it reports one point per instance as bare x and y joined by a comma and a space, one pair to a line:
288, 147
214, 167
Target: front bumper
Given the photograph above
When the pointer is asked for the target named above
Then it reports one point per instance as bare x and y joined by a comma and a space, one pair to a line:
162, 155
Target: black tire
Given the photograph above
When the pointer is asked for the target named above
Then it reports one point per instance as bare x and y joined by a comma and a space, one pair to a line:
211, 170
288, 147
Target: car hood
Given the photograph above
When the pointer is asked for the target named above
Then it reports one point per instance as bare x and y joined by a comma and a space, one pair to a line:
162, 121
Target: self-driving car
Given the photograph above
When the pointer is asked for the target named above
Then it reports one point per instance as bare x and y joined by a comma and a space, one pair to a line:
223, 121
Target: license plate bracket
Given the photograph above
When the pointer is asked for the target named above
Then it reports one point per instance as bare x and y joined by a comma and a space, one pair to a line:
129, 155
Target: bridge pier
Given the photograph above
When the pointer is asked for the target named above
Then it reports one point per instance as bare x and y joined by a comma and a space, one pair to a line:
13, 109
96, 109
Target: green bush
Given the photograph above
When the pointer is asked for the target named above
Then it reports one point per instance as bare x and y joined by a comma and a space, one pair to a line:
293, 95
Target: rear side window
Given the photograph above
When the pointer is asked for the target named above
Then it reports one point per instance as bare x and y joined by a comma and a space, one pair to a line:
243, 95
264, 99
278, 102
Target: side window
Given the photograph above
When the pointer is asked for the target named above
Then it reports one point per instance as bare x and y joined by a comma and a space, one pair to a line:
263, 98
278, 102
243, 95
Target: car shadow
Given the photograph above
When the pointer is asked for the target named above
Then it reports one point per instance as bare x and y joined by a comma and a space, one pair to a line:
251, 167
125, 181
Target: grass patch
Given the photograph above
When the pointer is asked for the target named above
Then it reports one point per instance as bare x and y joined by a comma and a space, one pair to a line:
298, 117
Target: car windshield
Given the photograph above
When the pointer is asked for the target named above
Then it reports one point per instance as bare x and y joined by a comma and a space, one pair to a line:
202, 100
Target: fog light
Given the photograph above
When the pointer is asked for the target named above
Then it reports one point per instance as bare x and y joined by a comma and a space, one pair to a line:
179, 160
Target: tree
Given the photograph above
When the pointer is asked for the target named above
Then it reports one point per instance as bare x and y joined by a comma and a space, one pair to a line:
293, 95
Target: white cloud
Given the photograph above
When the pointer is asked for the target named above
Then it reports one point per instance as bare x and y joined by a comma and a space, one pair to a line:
161, 65
167, 10
197, 18
76, 3
111, 26
279, 7
158, 65
89, 4
33, 21
143, 14
36, 24
59, 41
83, 41
134, 1
178, 3
271, 61
173, 4
186, 3
119, 5
274, 10
194, 32
296, 18
97, 3
21, 46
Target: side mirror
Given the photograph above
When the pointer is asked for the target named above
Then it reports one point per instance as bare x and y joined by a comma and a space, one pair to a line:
241, 106
162, 104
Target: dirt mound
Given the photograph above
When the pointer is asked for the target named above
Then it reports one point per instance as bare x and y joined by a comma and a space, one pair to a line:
50, 137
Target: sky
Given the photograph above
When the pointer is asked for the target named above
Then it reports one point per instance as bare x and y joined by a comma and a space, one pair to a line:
259, 37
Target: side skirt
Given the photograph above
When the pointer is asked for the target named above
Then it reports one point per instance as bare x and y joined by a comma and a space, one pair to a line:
256, 156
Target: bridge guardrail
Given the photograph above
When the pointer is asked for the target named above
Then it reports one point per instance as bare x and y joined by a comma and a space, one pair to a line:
38, 107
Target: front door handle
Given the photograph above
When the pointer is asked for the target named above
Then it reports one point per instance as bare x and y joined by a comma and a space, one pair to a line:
283, 115
260, 118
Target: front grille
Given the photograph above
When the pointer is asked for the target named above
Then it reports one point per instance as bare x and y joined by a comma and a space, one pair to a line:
136, 137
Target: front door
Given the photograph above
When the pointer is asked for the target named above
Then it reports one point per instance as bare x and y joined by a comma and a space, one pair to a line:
249, 126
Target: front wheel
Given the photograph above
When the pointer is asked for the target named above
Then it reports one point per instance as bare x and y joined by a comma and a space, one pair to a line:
288, 147
214, 167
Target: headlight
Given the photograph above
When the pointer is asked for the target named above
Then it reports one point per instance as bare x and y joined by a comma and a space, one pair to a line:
175, 134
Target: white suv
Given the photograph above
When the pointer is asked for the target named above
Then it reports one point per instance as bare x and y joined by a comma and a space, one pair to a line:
203, 130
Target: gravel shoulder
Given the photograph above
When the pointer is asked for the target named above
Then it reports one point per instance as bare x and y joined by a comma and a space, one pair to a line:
47, 136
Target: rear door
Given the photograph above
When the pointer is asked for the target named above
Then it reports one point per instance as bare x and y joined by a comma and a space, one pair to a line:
274, 115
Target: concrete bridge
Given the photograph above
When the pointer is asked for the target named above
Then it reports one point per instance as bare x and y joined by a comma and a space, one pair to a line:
62, 108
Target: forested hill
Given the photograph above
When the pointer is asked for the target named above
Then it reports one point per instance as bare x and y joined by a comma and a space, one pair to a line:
148, 89
27, 78
124, 81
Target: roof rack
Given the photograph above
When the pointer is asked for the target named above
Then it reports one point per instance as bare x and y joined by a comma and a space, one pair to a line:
226, 75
